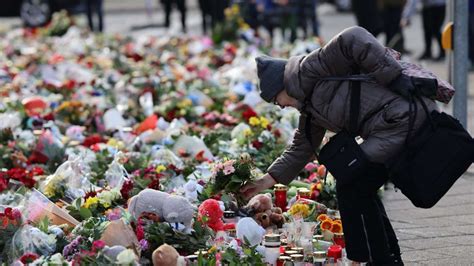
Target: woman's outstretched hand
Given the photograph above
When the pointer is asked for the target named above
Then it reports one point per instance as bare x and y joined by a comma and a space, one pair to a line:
254, 187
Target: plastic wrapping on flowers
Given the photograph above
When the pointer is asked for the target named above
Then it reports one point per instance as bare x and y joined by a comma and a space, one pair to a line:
89, 128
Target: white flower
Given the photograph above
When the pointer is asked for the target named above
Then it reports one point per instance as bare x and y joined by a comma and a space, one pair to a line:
126, 257
108, 196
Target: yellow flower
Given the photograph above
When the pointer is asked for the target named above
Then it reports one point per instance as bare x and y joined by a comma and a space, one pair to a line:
319, 186
91, 201
247, 132
185, 103
49, 190
264, 122
115, 143
254, 121
299, 209
212, 249
160, 168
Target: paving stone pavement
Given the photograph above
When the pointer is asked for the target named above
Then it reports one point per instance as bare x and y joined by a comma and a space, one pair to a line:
442, 235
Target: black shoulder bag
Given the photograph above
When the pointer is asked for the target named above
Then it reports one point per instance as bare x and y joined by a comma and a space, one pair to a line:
342, 155
433, 159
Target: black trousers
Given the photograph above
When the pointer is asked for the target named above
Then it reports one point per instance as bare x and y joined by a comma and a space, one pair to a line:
392, 28
369, 236
433, 18
95, 7
368, 16
181, 4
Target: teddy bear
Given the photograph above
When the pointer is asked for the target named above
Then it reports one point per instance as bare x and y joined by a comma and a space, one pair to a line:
261, 208
166, 255
211, 212
170, 208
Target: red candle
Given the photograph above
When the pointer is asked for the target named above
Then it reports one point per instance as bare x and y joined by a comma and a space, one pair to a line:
280, 196
335, 252
339, 239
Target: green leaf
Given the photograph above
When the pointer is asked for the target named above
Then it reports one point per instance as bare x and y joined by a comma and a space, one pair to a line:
85, 213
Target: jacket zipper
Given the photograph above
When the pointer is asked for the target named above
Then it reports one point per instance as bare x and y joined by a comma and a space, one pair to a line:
366, 237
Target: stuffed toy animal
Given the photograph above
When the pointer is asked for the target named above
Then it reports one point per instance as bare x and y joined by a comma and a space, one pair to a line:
166, 255
261, 209
169, 208
213, 211
191, 189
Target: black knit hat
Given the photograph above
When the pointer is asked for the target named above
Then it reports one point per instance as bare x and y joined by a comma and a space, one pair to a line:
270, 72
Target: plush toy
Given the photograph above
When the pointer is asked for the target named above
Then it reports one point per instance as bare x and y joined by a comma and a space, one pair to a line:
191, 189
262, 210
166, 255
213, 211
169, 208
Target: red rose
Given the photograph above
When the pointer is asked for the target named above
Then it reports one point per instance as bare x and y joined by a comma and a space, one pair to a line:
28, 258
49, 117
98, 245
248, 113
37, 157
257, 144
3, 184
126, 188
91, 140
277, 133
17, 173
28, 182
35, 171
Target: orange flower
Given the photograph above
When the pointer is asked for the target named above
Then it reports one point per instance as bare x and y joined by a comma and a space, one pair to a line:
322, 217
338, 221
326, 225
336, 228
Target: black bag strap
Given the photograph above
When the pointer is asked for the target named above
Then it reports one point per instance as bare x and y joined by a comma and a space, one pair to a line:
354, 107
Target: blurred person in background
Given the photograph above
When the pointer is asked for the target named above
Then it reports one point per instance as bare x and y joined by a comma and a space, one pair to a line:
391, 13
433, 14
368, 16
95, 7
181, 5
206, 13
306, 12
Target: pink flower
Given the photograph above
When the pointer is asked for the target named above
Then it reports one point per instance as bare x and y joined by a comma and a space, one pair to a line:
229, 169
98, 245
311, 167
313, 176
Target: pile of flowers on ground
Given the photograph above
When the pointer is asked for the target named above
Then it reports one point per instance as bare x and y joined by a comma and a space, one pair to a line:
112, 147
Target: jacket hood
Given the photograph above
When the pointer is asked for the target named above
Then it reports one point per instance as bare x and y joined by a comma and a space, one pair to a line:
291, 80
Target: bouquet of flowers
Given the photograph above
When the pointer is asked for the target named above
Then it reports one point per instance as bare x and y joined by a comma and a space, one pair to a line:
229, 176
10, 222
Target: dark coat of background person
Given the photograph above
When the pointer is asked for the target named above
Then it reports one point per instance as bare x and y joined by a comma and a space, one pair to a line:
212, 12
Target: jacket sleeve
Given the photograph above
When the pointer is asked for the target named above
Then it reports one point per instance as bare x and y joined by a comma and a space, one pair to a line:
353, 48
286, 167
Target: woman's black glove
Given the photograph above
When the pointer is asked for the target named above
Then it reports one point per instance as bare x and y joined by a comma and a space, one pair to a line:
406, 85
402, 85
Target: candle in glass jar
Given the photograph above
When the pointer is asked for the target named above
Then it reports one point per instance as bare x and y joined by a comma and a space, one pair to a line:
272, 248
303, 193
280, 196
339, 239
335, 252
